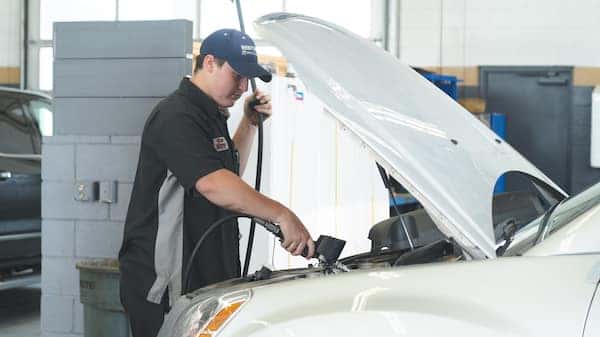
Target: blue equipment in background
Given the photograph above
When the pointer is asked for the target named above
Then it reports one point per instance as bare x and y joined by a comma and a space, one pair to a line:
447, 83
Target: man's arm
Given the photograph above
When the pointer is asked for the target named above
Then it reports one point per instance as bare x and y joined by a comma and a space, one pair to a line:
225, 189
244, 134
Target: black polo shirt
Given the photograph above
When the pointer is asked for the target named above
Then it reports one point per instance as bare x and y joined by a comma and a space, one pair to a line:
184, 139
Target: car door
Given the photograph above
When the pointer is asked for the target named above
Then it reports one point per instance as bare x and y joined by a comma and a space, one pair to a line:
20, 184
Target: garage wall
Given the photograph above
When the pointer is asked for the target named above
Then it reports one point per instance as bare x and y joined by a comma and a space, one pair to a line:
583, 174
325, 175
315, 167
456, 37
10, 45
105, 86
510, 32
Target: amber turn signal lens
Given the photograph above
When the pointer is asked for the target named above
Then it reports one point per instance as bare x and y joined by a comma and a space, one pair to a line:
221, 317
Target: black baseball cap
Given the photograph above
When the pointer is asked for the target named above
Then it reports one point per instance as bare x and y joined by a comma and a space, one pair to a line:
238, 50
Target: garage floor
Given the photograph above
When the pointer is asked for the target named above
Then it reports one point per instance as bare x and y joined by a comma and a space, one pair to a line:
20, 312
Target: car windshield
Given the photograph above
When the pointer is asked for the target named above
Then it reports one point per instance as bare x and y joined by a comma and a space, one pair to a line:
42, 112
573, 207
15, 126
563, 214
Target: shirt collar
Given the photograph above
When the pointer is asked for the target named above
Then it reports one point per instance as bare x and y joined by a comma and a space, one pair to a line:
201, 99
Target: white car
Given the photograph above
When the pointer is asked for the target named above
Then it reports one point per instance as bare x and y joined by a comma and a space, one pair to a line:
452, 283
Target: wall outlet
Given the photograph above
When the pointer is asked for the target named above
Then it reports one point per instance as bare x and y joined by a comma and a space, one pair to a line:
86, 191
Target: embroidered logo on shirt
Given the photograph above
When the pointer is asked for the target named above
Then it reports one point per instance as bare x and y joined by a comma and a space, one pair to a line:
220, 144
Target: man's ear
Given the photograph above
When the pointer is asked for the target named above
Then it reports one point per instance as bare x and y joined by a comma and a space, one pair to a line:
209, 63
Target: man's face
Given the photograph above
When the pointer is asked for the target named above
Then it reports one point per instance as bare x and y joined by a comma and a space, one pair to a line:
228, 85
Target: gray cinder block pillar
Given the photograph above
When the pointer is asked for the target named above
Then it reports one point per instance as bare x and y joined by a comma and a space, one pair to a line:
107, 78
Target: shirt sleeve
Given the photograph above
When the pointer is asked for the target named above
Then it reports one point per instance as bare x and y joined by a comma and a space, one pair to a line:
185, 148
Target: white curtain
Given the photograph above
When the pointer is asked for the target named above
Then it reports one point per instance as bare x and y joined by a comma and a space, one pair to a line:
317, 169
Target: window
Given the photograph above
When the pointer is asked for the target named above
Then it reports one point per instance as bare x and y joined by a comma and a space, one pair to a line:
15, 127
46, 69
214, 14
354, 16
223, 14
52, 11
68, 10
15, 114
42, 113
157, 10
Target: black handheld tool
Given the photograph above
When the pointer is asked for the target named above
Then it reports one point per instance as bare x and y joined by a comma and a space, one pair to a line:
327, 248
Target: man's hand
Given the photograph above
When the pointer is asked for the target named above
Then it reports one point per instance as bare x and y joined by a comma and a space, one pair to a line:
225, 189
263, 106
295, 235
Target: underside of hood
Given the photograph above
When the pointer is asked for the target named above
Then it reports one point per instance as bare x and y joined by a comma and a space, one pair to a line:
437, 150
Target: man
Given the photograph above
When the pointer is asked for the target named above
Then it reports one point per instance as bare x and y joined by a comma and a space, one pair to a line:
188, 177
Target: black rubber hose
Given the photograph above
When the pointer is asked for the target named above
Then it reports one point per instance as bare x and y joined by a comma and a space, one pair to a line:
238, 6
188, 266
256, 187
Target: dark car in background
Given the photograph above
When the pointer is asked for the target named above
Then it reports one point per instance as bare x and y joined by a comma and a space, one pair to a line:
24, 118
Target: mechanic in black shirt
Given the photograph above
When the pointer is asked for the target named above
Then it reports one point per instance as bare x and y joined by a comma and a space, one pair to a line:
188, 177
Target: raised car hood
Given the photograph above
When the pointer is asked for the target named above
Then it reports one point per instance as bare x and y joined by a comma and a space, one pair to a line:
439, 152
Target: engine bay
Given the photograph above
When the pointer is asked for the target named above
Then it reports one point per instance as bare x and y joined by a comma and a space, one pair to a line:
390, 246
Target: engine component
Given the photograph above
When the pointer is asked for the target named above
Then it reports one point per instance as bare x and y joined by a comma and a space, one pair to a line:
389, 234
328, 249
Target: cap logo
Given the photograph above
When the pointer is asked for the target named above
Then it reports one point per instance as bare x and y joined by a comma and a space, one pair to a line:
248, 50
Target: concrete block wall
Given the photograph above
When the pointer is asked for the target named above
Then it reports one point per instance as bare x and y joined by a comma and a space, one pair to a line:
107, 78
511, 32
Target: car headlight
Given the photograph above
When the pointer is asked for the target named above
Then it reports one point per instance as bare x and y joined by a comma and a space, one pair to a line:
206, 318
